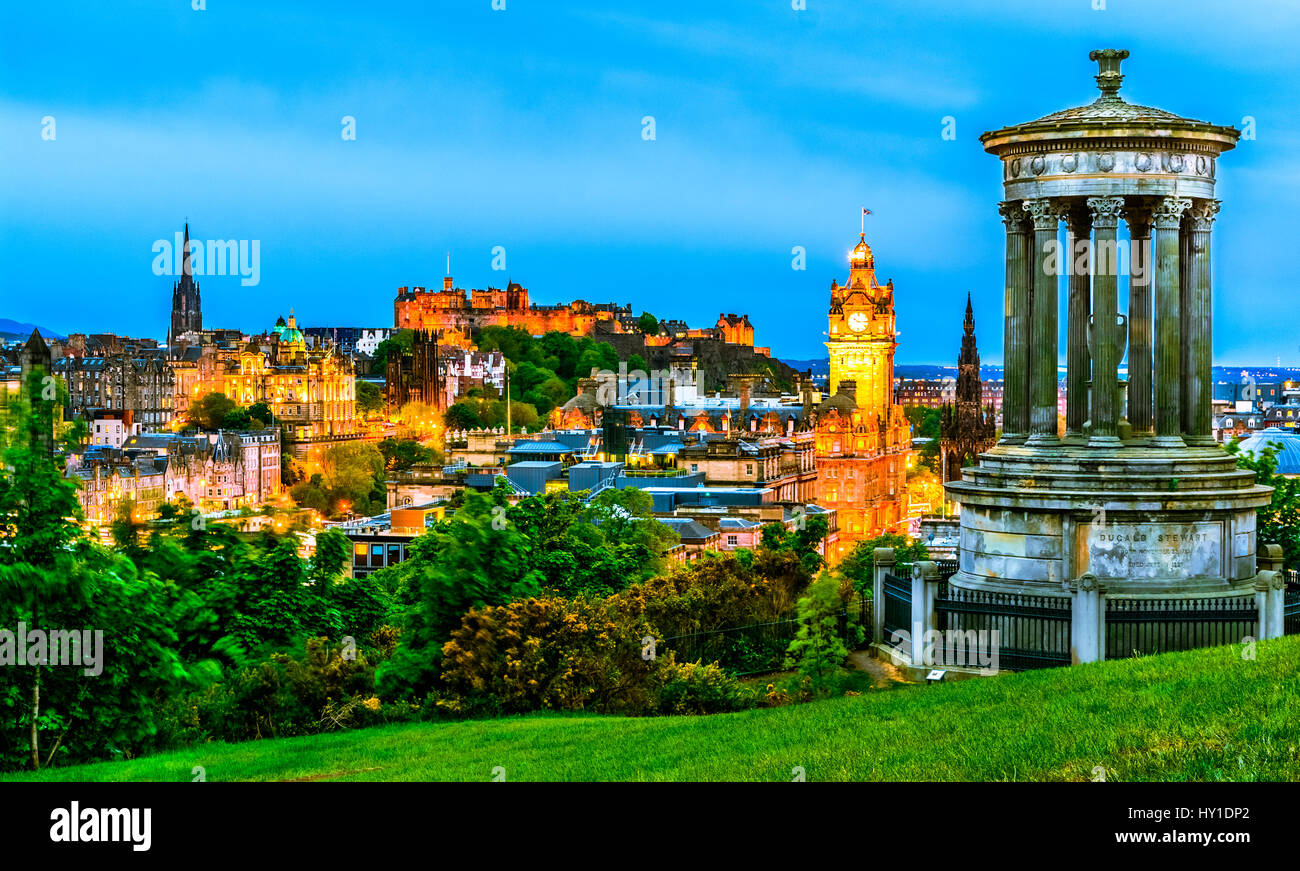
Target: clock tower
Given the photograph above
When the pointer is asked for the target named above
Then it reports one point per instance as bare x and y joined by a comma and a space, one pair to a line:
861, 333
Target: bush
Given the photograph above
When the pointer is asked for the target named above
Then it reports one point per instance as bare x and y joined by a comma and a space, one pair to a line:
693, 688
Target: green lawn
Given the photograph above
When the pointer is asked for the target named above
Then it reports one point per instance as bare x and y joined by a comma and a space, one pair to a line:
1205, 715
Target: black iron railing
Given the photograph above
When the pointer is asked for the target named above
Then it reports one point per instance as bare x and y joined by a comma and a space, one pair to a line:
1137, 627
897, 617
1032, 631
1291, 611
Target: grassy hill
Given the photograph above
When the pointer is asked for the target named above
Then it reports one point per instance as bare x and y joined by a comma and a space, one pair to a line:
1203, 715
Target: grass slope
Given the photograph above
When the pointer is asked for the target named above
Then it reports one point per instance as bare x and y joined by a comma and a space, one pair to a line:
1202, 715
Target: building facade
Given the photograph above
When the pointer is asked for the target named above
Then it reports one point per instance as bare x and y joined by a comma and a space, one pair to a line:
143, 384
311, 391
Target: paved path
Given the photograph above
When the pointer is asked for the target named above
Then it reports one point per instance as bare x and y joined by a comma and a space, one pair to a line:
885, 673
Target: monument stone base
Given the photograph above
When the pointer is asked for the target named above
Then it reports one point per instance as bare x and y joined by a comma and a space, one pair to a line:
1146, 521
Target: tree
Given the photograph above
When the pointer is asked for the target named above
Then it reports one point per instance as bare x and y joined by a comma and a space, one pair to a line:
648, 324
333, 553
1279, 521
52, 580
925, 421
351, 480
402, 454
817, 650
261, 412
370, 397
474, 561
397, 343
859, 565
462, 415
210, 410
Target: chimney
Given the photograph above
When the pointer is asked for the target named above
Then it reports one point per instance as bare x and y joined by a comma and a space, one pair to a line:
849, 388
446, 283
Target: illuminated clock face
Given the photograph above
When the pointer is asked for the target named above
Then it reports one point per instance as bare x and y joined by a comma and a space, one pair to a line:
858, 321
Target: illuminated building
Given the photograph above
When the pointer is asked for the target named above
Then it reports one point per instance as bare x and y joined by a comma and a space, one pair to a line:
311, 392
863, 438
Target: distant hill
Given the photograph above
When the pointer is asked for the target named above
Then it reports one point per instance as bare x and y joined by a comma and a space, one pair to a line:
821, 366
15, 330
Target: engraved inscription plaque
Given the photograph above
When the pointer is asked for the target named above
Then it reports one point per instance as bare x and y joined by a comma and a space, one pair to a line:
1152, 550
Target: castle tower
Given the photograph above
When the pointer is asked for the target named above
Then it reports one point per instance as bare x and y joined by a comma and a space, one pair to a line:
187, 315
862, 333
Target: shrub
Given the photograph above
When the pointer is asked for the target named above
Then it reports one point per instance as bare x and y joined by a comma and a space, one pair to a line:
693, 688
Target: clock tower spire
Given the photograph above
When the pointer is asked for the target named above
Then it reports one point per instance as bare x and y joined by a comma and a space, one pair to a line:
861, 332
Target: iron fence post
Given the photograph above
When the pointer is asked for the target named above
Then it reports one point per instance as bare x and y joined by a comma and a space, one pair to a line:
883, 561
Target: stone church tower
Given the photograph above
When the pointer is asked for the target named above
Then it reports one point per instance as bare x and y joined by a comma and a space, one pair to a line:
966, 428
187, 316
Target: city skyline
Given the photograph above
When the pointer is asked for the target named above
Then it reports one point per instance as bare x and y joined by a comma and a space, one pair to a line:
509, 147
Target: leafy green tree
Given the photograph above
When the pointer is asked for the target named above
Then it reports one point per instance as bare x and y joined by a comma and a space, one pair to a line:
818, 650
462, 415
370, 398
209, 411
476, 560
1279, 521
804, 540
402, 454
397, 343
595, 548
859, 565
261, 412
648, 324
333, 554
54, 580
925, 421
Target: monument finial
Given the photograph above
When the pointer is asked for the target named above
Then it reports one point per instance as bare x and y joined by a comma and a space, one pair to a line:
1109, 77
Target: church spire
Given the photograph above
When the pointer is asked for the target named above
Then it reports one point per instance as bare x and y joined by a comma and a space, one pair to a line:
187, 314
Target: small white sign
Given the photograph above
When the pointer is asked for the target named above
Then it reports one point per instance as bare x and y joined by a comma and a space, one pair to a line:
936, 674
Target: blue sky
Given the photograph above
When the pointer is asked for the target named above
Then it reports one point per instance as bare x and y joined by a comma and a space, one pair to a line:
522, 128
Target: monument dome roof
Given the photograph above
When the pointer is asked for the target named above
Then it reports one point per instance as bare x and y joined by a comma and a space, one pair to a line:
1111, 115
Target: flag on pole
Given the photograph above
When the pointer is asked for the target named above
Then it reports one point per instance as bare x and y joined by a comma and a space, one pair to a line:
865, 212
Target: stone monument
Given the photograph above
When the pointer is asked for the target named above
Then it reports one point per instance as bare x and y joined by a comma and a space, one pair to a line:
1134, 495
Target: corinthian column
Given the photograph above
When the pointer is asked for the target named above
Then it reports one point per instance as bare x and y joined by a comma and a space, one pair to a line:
1105, 307
1138, 217
1078, 308
1168, 216
1015, 341
1196, 300
1042, 376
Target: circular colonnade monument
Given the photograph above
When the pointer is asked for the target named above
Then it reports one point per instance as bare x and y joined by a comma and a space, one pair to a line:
1135, 493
